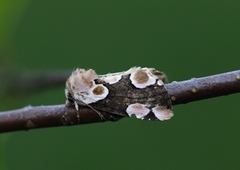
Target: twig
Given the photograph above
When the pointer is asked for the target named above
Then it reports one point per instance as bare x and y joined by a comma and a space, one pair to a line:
59, 115
203, 88
47, 116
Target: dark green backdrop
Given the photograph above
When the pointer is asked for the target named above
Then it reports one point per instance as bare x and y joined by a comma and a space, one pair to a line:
184, 39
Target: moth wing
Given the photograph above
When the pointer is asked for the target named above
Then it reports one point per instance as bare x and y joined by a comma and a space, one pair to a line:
123, 94
110, 107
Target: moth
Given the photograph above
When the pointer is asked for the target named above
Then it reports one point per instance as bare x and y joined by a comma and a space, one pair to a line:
137, 91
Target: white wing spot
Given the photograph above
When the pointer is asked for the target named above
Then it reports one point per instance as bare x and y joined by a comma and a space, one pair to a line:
160, 83
138, 109
142, 78
111, 79
162, 113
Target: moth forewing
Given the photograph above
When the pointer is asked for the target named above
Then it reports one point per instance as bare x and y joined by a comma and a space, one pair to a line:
123, 96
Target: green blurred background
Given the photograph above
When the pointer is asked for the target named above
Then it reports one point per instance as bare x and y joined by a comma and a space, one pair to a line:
184, 39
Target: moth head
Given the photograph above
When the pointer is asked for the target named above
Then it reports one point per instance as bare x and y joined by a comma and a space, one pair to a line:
82, 87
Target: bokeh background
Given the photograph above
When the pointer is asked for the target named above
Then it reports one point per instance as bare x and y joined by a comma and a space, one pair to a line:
184, 39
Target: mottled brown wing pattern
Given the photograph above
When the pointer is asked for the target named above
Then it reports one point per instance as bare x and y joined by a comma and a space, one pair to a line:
137, 91
124, 93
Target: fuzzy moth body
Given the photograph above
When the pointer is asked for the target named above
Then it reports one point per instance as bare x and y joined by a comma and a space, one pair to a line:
137, 91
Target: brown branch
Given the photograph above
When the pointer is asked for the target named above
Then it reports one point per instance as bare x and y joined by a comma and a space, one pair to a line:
48, 116
59, 115
203, 88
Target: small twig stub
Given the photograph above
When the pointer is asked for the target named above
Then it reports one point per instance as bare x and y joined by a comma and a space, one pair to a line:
138, 91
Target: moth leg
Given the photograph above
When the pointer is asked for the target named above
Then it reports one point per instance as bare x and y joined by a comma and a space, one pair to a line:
77, 108
100, 115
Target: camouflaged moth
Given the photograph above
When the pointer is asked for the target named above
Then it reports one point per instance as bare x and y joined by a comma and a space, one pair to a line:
138, 91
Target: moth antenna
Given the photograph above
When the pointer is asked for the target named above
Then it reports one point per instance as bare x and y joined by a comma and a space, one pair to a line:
85, 104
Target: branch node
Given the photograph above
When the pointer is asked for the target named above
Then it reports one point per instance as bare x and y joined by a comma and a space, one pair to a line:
238, 77
194, 90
